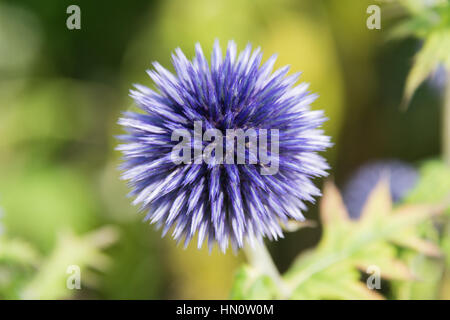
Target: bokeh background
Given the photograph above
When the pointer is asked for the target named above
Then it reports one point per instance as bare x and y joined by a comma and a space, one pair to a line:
62, 91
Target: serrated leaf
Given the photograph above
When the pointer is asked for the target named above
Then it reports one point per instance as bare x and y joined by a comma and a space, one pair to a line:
435, 50
416, 26
250, 284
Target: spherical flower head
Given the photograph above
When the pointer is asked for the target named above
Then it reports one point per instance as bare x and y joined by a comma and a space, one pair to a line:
254, 188
402, 177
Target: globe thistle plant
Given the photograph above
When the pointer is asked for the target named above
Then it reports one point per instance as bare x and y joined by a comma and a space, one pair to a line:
223, 202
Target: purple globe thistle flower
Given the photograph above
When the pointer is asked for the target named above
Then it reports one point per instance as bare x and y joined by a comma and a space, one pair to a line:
402, 178
226, 203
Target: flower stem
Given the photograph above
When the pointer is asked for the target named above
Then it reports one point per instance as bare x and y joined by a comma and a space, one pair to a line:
446, 122
259, 258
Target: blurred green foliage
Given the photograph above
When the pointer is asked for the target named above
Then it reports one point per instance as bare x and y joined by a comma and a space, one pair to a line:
431, 272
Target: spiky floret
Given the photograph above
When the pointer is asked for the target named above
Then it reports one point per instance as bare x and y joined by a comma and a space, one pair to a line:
226, 203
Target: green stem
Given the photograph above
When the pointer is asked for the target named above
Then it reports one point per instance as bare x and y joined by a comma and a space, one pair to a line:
259, 258
446, 122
